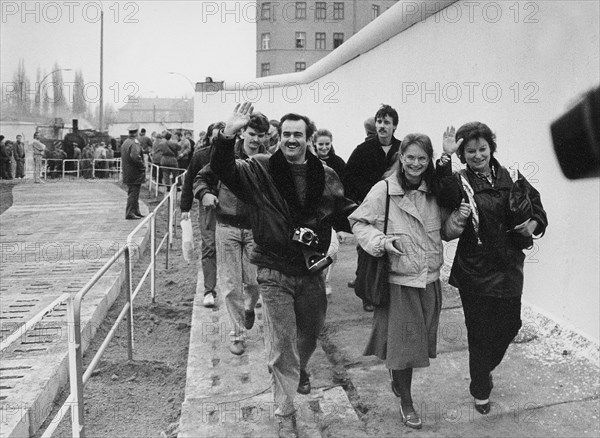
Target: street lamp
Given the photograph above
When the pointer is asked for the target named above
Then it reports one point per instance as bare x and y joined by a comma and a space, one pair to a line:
44, 78
185, 77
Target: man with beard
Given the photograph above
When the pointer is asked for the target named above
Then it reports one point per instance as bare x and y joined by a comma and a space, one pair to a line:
370, 160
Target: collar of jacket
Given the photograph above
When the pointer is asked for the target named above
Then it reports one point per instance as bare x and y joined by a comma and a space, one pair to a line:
375, 143
284, 181
500, 174
396, 188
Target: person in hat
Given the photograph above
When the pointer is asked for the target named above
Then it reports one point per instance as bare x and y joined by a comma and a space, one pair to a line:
134, 172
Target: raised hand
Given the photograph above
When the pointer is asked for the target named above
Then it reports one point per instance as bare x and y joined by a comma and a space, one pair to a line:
449, 143
238, 119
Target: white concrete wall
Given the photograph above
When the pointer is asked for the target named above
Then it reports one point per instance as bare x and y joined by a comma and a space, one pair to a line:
513, 65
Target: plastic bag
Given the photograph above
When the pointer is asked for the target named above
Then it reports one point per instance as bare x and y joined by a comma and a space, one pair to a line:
187, 240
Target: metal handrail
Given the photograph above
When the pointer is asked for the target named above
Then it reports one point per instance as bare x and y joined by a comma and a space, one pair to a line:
77, 377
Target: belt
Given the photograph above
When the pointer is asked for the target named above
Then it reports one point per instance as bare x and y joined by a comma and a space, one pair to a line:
235, 221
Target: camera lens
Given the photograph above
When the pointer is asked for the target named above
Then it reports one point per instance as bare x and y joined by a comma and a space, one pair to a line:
307, 237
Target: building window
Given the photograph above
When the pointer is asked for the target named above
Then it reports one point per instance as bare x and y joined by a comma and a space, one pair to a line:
265, 11
338, 39
301, 10
320, 11
338, 11
320, 41
300, 40
374, 12
300, 66
265, 41
265, 69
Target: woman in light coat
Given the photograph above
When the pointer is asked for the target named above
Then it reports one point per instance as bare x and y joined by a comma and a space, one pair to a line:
404, 334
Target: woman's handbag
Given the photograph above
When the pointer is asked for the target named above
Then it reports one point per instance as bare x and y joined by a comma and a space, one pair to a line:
373, 272
520, 209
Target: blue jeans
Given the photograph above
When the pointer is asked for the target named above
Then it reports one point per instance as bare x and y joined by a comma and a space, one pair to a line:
208, 221
237, 277
294, 312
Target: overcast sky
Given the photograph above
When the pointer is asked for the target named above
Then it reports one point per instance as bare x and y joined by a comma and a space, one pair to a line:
143, 41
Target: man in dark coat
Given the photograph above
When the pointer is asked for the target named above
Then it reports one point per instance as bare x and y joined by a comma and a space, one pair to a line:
293, 198
134, 172
370, 160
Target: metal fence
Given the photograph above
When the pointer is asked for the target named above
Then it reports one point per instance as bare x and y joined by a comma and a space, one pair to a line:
77, 377
84, 168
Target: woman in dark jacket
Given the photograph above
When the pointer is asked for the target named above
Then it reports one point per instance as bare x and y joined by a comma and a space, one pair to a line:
324, 148
488, 265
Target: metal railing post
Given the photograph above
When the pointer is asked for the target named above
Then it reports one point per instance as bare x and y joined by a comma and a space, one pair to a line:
168, 233
93, 168
128, 282
153, 257
76, 366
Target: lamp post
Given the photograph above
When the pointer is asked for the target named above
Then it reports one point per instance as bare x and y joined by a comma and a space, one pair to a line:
44, 78
185, 77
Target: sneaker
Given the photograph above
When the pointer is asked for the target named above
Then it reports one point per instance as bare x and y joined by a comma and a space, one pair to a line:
287, 426
304, 383
249, 317
209, 300
237, 348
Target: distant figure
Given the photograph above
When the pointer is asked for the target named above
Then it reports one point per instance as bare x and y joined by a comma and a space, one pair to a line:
146, 145
134, 172
99, 155
38, 152
87, 155
185, 151
370, 130
19, 155
6, 152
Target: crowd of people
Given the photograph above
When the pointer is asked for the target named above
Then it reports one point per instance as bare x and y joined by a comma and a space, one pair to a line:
94, 160
276, 201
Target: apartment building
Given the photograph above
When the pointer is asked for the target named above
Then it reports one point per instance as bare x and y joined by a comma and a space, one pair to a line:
292, 35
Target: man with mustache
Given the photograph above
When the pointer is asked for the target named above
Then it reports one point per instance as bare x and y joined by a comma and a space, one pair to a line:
370, 160
236, 276
293, 197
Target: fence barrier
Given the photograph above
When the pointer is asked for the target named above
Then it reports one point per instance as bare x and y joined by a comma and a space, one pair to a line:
77, 377
85, 167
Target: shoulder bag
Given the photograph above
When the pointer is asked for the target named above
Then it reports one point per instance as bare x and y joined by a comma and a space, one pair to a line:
372, 273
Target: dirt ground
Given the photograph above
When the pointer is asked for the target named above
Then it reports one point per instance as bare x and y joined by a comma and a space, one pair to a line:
143, 397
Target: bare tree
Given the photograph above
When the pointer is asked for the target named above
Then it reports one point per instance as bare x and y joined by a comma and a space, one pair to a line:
59, 98
21, 99
79, 103
45, 97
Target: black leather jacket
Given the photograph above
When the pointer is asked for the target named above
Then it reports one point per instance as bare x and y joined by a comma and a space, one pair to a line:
261, 183
494, 267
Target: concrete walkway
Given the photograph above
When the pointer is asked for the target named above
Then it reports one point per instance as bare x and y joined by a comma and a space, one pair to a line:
547, 386
52, 240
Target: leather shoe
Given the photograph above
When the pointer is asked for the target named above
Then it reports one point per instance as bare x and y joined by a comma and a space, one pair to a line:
483, 409
304, 384
237, 348
134, 217
351, 284
368, 307
249, 317
410, 418
140, 215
